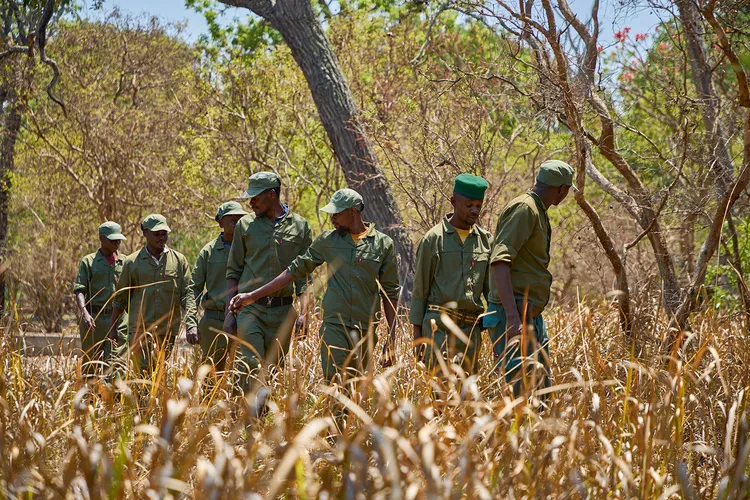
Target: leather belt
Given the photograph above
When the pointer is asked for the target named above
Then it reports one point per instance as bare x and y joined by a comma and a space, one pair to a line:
100, 310
455, 314
214, 314
276, 301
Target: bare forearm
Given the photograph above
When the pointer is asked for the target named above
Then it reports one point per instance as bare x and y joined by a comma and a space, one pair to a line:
232, 285
81, 302
389, 307
274, 285
504, 285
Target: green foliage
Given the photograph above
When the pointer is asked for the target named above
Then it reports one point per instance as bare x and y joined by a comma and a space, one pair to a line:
723, 280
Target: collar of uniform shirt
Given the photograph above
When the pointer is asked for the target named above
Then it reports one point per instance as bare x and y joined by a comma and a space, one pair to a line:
157, 259
286, 211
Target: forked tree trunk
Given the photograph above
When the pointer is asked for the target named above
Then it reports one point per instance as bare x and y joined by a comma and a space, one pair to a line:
297, 23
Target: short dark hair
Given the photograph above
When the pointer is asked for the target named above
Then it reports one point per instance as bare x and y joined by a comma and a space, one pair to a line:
276, 190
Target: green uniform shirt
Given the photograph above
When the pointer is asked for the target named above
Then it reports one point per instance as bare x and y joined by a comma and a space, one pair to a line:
449, 270
210, 273
522, 239
262, 249
159, 293
97, 279
353, 294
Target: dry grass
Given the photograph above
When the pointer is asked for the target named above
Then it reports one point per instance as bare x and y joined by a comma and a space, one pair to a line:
617, 426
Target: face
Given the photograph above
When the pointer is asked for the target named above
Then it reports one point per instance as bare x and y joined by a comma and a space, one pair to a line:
262, 203
156, 239
109, 245
465, 209
343, 221
228, 223
562, 193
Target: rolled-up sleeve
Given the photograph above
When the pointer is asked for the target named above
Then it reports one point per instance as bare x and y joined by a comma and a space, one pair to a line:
513, 230
81, 283
308, 261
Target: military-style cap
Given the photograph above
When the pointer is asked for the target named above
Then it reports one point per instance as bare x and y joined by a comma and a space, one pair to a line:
343, 199
556, 173
229, 208
111, 231
257, 183
470, 186
155, 222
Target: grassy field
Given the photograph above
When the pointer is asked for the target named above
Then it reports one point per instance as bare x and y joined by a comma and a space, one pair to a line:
618, 425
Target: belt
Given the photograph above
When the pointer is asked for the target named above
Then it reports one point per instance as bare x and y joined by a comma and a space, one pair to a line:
214, 314
101, 310
276, 301
455, 314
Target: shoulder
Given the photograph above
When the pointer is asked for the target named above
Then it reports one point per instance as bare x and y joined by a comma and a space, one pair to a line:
435, 233
129, 259
177, 255
245, 222
383, 239
327, 236
209, 247
483, 233
88, 259
297, 218
521, 205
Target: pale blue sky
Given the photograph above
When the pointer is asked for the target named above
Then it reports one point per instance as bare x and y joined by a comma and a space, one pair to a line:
613, 16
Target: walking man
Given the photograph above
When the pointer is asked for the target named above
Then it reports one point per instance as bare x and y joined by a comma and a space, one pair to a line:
452, 276
94, 285
521, 280
209, 285
154, 288
361, 267
264, 244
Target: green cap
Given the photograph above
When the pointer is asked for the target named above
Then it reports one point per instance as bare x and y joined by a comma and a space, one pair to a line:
111, 231
155, 222
470, 186
556, 173
229, 208
343, 199
257, 183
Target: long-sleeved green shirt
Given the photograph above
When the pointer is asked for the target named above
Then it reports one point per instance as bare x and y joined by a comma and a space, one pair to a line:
522, 239
210, 275
353, 294
262, 249
449, 270
97, 278
159, 295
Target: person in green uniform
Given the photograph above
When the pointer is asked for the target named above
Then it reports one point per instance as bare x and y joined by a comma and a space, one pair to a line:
452, 275
520, 287
265, 243
94, 285
361, 267
154, 288
209, 285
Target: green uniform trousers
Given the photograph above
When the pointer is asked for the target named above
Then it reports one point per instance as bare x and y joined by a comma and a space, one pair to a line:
145, 349
524, 365
95, 349
453, 349
342, 353
213, 339
265, 333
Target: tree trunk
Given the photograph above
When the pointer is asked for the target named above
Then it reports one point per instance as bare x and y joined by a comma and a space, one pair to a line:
297, 23
10, 123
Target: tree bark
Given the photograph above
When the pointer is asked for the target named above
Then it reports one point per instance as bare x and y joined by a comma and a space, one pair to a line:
10, 116
302, 31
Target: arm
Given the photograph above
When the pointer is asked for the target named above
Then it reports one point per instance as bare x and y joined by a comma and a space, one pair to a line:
235, 266
504, 285
187, 302
245, 299
86, 320
80, 286
198, 278
423, 277
120, 301
391, 288
300, 286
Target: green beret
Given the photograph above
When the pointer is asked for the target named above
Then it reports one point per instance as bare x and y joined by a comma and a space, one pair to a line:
262, 181
111, 231
556, 173
343, 199
155, 222
470, 186
229, 208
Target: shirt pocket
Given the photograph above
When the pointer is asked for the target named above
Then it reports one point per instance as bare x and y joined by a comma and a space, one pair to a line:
367, 268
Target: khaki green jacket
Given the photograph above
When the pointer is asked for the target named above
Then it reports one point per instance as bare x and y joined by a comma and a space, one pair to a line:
97, 279
157, 296
522, 239
353, 295
210, 274
261, 250
448, 270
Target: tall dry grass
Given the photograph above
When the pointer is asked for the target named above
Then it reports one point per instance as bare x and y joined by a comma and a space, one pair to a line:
617, 426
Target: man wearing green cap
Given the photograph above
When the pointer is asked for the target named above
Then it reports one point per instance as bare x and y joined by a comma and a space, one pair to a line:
154, 288
209, 285
361, 267
93, 287
265, 243
452, 276
521, 282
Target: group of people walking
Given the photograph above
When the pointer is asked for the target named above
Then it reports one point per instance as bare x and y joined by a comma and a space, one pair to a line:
245, 282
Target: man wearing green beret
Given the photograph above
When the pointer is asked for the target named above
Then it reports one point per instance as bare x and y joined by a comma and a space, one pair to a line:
154, 288
265, 243
94, 285
361, 267
520, 287
209, 285
452, 276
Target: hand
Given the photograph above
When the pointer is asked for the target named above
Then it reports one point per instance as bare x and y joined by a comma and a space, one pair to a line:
241, 300
513, 327
193, 335
230, 324
300, 326
87, 322
387, 355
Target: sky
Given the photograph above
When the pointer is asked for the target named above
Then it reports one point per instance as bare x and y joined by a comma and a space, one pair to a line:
613, 17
